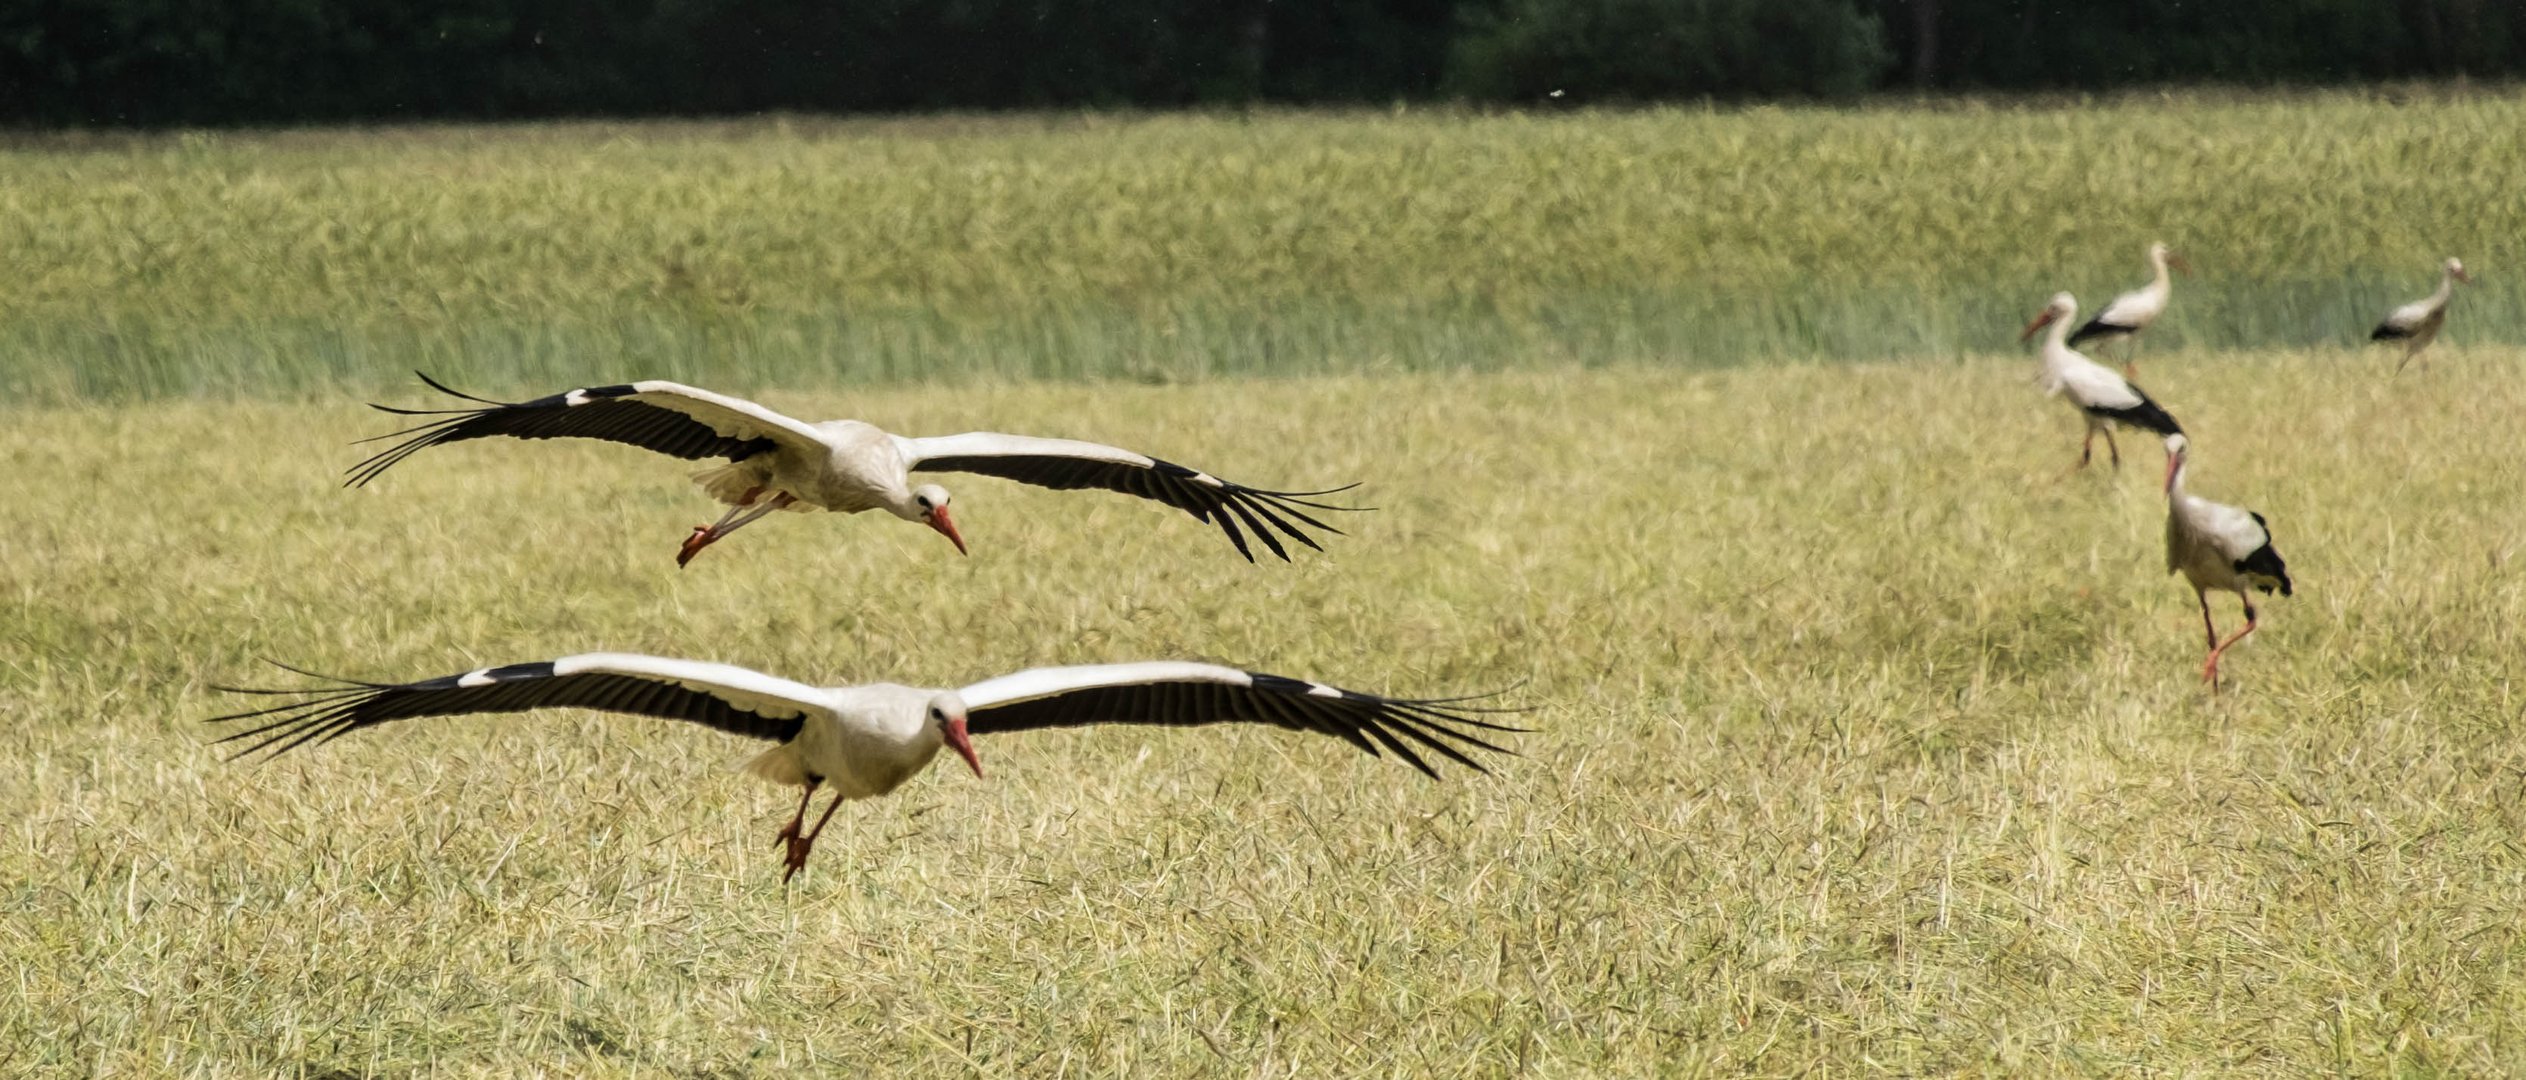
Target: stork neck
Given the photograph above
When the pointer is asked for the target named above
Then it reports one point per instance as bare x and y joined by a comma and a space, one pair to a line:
2157, 260
2057, 337
2446, 286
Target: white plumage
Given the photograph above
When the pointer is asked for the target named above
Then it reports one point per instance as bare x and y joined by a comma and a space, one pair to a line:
774, 462
2102, 397
865, 741
2417, 324
2132, 312
2217, 547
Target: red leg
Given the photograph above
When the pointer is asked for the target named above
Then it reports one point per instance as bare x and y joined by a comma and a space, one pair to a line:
2210, 670
797, 821
736, 518
2110, 448
799, 848
2087, 449
2209, 632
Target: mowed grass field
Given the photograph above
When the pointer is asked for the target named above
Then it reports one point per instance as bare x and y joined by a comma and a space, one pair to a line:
1865, 741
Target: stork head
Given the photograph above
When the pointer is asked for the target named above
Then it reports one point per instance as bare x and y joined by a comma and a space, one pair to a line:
946, 717
929, 507
2159, 252
2063, 306
2456, 270
2176, 445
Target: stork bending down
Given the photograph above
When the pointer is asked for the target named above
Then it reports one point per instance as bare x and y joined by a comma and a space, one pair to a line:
864, 741
778, 463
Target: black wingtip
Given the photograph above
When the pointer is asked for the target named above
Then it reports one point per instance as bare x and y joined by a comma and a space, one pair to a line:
450, 391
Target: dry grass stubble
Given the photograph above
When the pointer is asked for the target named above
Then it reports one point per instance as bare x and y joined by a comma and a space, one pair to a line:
1864, 740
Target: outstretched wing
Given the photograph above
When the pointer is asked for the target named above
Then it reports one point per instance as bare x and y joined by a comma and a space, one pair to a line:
721, 696
1184, 694
1069, 465
669, 418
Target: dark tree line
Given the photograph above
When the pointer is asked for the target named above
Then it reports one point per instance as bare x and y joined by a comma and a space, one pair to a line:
156, 62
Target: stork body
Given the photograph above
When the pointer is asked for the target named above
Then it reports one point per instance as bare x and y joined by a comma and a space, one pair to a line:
865, 741
774, 462
2103, 398
2130, 313
2417, 324
2221, 548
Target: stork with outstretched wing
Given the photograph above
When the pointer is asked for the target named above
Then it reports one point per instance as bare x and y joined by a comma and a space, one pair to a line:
774, 462
864, 741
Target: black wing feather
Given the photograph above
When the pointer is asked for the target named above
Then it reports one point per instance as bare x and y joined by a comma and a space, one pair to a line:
327, 713
1207, 499
602, 412
2146, 416
1366, 721
2098, 327
2265, 562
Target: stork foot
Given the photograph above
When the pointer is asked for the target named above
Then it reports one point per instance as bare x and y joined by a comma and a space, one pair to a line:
693, 545
796, 859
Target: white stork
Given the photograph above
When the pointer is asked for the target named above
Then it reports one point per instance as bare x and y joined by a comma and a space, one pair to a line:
2103, 398
2132, 312
778, 463
2417, 324
2217, 546
867, 740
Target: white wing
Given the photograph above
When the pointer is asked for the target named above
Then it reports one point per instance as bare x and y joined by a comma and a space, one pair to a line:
1179, 693
2410, 316
664, 417
2231, 530
2136, 309
2092, 386
730, 417
730, 699
1070, 465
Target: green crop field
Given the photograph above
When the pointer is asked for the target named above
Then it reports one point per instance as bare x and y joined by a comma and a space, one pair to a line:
1865, 738
782, 252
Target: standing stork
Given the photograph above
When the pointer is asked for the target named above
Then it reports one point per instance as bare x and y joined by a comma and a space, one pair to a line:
2217, 546
2103, 398
778, 463
2132, 312
867, 740
2417, 324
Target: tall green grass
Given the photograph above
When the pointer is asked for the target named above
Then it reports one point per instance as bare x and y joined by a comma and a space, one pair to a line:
1164, 247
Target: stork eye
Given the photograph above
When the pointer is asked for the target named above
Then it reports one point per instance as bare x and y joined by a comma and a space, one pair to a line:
923, 500
937, 713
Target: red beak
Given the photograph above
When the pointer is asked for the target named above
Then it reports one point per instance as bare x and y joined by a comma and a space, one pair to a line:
2181, 267
2172, 462
963, 744
2464, 277
947, 527
2040, 322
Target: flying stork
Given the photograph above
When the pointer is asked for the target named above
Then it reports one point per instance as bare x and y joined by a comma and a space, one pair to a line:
2132, 312
2217, 546
2102, 397
778, 463
2417, 324
865, 741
